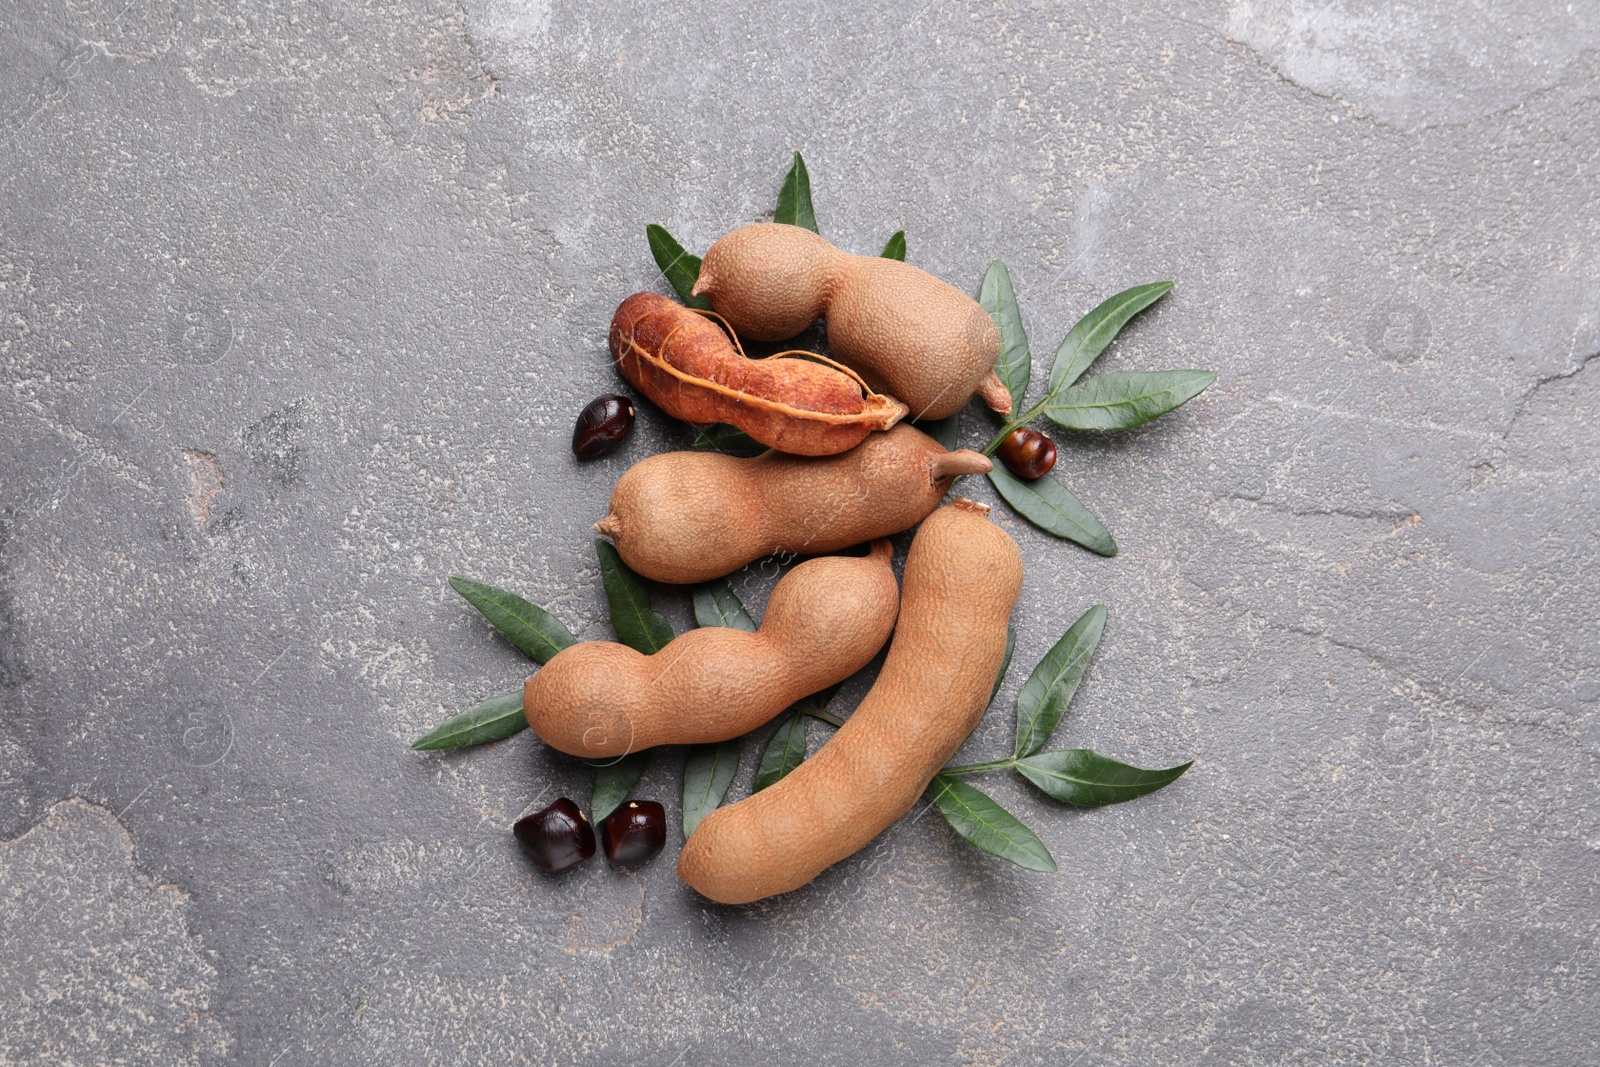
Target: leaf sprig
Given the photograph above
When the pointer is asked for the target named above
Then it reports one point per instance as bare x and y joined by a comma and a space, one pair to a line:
1116, 400
1079, 776
534, 631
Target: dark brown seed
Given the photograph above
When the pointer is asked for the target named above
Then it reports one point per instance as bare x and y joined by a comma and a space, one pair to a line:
602, 425
1028, 453
557, 837
634, 833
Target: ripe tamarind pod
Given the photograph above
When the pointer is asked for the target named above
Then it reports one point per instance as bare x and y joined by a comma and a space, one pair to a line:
692, 516
962, 578
824, 621
909, 334
689, 367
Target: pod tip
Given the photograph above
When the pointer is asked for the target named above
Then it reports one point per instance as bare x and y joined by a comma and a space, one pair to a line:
954, 464
995, 394
890, 410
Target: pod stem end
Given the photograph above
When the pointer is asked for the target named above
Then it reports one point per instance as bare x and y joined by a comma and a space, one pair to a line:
955, 464
995, 394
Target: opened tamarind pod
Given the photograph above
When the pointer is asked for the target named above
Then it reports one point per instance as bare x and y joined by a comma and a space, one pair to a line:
825, 620
909, 334
687, 365
692, 516
961, 581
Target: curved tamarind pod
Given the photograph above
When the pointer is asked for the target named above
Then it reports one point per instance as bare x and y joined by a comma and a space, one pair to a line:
962, 578
692, 516
688, 366
825, 620
907, 332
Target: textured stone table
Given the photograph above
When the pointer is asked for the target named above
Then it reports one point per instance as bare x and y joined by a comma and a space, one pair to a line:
298, 303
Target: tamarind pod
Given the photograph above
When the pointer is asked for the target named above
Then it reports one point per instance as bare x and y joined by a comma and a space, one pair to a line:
961, 581
825, 620
688, 366
692, 516
909, 333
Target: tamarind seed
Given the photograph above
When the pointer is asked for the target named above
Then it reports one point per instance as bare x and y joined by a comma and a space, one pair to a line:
557, 837
1028, 453
602, 425
634, 834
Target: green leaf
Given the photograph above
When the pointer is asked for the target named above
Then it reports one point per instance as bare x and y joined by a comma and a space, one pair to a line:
896, 248
682, 270
1085, 341
716, 604
816, 705
945, 431
1015, 365
534, 630
614, 781
794, 199
1005, 664
1051, 506
638, 625
494, 719
1049, 689
720, 437
987, 826
1121, 400
1086, 778
786, 750
708, 771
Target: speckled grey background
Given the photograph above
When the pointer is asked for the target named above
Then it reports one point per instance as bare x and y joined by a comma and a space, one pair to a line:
298, 302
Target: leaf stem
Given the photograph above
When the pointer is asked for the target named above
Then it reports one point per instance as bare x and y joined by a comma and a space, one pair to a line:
826, 716
1021, 420
974, 768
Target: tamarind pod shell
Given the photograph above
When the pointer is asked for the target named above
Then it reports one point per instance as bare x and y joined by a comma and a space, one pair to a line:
688, 366
691, 516
961, 581
896, 323
825, 620
772, 277
908, 333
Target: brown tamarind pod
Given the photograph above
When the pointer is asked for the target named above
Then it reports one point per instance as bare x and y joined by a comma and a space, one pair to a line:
909, 334
961, 581
687, 365
825, 620
692, 516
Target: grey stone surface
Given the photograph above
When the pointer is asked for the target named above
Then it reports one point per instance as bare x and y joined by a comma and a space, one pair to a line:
298, 303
